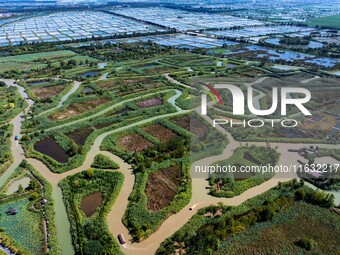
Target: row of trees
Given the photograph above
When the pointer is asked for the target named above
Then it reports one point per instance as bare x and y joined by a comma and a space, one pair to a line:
204, 235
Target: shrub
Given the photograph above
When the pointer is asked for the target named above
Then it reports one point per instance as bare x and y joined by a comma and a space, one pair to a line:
306, 243
104, 162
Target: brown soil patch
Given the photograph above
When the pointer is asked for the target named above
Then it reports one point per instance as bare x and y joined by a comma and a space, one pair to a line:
197, 127
150, 102
183, 122
79, 108
161, 133
160, 70
80, 136
104, 125
325, 124
191, 124
133, 142
46, 92
134, 85
161, 187
120, 82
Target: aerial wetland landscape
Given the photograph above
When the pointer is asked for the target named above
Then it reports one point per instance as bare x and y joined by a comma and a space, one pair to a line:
112, 112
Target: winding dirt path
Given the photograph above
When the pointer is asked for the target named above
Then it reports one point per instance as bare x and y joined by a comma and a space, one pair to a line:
200, 197
75, 87
109, 108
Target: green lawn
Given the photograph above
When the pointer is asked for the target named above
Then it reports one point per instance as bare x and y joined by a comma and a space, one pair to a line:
328, 21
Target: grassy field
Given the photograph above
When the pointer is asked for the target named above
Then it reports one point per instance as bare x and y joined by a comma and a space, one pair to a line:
281, 235
38, 56
33, 61
328, 21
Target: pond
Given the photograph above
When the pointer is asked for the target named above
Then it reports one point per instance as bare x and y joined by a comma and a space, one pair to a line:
292, 133
40, 82
89, 74
102, 65
325, 62
335, 193
250, 158
15, 185
241, 176
230, 66
87, 90
337, 73
285, 67
123, 110
90, 203
287, 55
49, 147
104, 76
262, 52
148, 65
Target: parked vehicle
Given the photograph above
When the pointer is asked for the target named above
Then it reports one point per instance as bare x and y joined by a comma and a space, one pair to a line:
121, 239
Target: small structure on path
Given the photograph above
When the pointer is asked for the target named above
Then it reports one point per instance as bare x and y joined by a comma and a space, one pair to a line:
12, 211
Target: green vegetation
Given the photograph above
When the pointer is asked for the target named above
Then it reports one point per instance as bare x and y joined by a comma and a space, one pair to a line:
6, 157
142, 218
329, 178
239, 229
46, 93
291, 233
28, 204
326, 22
150, 156
38, 56
100, 124
90, 235
11, 103
205, 140
44, 64
232, 184
133, 90
294, 41
48, 208
142, 157
123, 51
104, 162
11, 244
23, 226
28, 62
